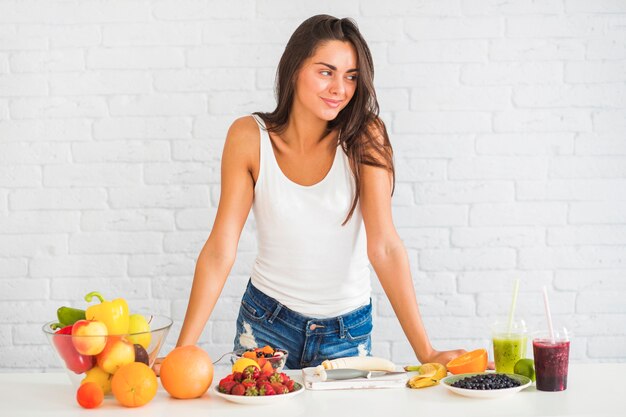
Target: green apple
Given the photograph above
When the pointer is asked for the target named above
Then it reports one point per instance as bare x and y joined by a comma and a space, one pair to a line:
139, 330
117, 353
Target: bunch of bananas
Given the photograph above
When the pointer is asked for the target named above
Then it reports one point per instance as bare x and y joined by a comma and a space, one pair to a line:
429, 374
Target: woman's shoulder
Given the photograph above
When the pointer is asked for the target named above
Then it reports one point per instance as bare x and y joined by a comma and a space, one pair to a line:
243, 140
244, 126
243, 133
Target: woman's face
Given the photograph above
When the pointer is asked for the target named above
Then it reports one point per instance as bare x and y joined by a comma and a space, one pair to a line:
327, 80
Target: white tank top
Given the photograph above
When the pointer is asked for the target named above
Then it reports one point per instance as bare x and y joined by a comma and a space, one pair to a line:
306, 259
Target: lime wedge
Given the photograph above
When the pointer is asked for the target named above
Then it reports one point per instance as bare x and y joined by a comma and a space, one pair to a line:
525, 367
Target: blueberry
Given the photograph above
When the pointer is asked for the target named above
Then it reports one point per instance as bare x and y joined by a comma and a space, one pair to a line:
487, 382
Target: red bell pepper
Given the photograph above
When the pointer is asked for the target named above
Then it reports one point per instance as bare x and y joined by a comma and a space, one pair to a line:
73, 360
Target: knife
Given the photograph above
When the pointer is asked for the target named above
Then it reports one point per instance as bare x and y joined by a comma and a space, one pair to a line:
357, 373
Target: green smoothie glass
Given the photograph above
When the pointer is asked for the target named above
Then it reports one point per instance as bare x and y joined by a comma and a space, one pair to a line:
509, 345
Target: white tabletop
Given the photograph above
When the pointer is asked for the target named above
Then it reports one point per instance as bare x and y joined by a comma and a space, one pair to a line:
593, 390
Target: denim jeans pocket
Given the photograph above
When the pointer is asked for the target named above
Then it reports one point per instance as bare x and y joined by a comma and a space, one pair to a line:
360, 331
252, 310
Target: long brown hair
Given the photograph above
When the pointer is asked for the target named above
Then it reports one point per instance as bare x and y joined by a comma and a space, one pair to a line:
362, 134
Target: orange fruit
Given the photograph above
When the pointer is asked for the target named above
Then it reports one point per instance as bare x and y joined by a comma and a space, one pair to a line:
89, 395
187, 372
474, 361
134, 384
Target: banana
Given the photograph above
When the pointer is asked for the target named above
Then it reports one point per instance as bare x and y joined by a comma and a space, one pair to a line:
429, 375
412, 368
421, 382
364, 363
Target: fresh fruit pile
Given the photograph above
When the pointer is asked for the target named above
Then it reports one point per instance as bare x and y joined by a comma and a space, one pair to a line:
487, 382
265, 352
254, 382
268, 358
99, 342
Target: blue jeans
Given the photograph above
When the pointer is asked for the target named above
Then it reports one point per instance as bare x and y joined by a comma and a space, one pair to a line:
264, 321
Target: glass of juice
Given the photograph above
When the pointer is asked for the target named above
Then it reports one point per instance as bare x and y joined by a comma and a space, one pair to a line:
509, 345
551, 360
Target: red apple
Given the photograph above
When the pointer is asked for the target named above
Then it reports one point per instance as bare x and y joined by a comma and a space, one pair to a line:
118, 352
89, 336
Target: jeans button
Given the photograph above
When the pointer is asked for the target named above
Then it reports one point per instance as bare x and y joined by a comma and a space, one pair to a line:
313, 327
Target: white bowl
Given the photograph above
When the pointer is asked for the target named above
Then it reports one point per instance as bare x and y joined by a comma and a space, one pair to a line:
492, 393
258, 400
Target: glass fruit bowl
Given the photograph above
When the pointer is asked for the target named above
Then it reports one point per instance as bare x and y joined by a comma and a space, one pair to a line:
274, 361
113, 350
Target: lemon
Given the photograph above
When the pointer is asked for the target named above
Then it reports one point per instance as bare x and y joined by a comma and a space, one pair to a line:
242, 363
525, 367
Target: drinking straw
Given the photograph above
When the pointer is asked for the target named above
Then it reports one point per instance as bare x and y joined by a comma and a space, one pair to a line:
513, 302
548, 315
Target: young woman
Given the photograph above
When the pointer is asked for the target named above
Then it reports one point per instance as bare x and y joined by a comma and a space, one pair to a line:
318, 174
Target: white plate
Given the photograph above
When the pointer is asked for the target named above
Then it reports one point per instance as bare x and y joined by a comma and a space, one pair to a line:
492, 393
265, 399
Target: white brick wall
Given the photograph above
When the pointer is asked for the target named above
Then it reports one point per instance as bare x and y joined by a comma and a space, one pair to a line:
508, 120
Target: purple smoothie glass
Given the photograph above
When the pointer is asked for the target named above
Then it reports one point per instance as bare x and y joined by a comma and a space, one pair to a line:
551, 359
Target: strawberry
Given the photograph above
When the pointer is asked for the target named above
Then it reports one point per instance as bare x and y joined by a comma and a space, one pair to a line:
248, 383
262, 380
284, 377
251, 372
279, 388
237, 376
266, 389
252, 392
226, 386
275, 377
238, 389
289, 385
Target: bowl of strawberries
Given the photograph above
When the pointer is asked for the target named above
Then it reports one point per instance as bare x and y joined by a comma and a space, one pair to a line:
254, 386
267, 357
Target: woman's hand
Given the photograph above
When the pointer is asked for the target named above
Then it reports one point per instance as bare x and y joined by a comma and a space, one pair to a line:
156, 367
445, 356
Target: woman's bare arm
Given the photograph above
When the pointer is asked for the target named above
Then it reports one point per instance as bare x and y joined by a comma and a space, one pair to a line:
388, 257
218, 254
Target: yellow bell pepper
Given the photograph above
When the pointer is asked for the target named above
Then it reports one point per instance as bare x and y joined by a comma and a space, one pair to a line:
114, 314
